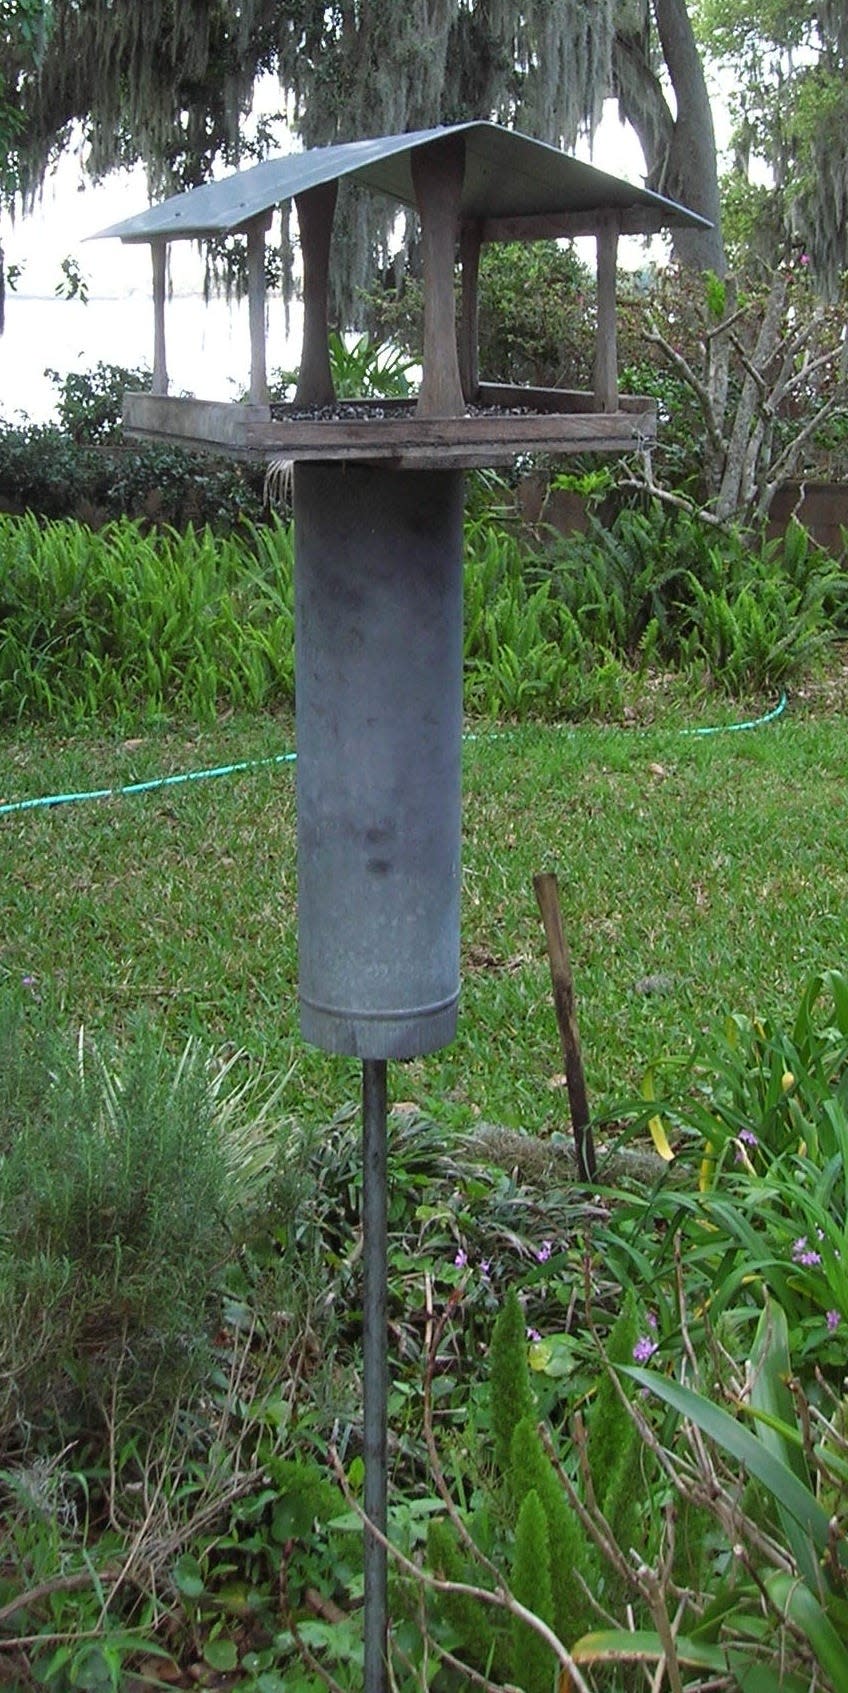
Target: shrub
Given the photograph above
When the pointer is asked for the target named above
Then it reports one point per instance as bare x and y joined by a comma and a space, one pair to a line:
113, 1208
90, 401
83, 467
127, 626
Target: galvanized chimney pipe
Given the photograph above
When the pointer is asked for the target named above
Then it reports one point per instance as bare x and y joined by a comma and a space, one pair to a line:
378, 683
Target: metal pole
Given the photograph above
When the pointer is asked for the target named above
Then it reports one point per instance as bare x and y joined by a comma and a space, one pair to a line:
375, 1367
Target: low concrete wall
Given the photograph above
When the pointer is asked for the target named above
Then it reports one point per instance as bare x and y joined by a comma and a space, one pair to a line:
822, 507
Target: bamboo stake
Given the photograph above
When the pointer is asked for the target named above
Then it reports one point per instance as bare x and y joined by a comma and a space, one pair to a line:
547, 895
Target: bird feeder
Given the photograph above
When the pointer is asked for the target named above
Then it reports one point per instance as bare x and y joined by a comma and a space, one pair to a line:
378, 500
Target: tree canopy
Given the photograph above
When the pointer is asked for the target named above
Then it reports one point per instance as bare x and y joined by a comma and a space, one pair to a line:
24, 31
789, 65
171, 82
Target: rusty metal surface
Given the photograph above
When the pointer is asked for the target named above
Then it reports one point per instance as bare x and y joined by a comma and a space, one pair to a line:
507, 175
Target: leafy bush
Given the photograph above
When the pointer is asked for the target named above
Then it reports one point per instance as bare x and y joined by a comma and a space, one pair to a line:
40, 469
766, 1113
82, 467
551, 632
44, 471
90, 401
132, 626
709, 1486
536, 315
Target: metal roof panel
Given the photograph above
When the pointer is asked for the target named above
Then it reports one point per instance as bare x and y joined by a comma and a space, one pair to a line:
506, 175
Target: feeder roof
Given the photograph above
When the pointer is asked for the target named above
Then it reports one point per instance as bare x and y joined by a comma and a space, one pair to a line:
507, 176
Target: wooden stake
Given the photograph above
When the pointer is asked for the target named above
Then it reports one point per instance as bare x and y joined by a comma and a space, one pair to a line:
547, 894
469, 365
256, 231
606, 353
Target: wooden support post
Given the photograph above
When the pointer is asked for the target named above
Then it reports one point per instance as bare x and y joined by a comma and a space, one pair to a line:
315, 209
256, 231
547, 894
159, 253
437, 174
469, 334
606, 351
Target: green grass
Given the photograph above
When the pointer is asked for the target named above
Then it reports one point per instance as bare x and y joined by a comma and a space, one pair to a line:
718, 863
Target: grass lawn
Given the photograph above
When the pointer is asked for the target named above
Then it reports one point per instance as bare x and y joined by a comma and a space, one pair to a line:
715, 865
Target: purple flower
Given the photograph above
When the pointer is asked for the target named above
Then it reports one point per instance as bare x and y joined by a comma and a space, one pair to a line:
533, 1334
644, 1349
832, 1320
803, 1254
27, 981
544, 1252
485, 1266
461, 1259
748, 1136
651, 1320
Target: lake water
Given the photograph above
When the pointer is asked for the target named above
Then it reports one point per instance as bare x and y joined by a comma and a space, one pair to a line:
208, 346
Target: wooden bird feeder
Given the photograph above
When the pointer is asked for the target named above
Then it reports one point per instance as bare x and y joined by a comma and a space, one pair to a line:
471, 183
378, 597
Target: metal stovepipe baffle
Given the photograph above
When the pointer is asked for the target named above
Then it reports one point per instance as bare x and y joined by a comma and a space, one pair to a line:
378, 683
378, 643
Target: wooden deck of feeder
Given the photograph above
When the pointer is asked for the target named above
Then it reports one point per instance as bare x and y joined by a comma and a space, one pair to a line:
558, 421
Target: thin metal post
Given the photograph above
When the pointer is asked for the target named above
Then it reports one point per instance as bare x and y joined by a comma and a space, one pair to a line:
375, 1367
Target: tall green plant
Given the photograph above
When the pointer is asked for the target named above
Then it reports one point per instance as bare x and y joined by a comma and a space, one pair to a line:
532, 1661
802, 1568
130, 626
511, 1395
89, 402
573, 1565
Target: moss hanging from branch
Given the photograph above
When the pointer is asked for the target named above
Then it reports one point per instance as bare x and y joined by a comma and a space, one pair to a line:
169, 83
159, 82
